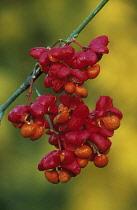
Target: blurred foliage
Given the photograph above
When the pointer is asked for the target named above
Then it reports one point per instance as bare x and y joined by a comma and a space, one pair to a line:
27, 24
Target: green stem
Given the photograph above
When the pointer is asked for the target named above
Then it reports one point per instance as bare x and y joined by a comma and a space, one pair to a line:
36, 72
36, 89
76, 32
47, 117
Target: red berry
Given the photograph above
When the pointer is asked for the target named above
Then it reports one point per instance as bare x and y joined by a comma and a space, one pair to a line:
101, 142
79, 75
41, 121
84, 151
111, 122
44, 59
63, 117
59, 70
37, 109
45, 68
17, 125
70, 101
93, 71
53, 139
35, 52
61, 53
83, 58
108, 150
52, 58
81, 91
69, 87
82, 162
19, 114
63, 114
62, 156
76, 80
28, 129
101, 160
57, 85
46, 99
77, 137
52, 176
38, 133
99, 45
78, 117
64, 175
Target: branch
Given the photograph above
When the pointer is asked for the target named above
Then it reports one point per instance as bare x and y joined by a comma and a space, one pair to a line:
76, 32
36, 72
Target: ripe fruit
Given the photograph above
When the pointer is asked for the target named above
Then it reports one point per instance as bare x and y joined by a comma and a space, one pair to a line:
38, 110
81, 91
28, 129
64, 175
35, 52
19, 114
41, 121
17, 125
61, 53
84, 151
78, 134
82, 162
38, 133
93, 71
63, 114
111, 122
53, 139
62, 156
52, 176
107, 151
63, 117
59, 70
70, 87
84, 58
52, 58
101, 160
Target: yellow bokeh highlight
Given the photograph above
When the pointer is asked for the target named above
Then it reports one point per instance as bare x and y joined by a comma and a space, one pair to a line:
10, 22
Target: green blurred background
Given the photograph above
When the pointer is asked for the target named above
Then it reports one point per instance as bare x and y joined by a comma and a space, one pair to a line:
28, 24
